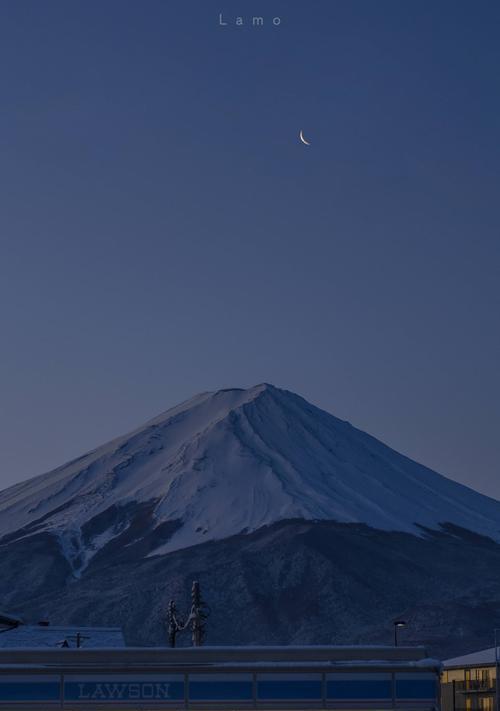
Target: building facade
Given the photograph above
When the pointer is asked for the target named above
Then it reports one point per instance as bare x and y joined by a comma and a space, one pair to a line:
469, 683
203, 678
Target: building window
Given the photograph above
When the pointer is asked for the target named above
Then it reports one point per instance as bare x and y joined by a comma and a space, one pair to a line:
485, 677
486, 703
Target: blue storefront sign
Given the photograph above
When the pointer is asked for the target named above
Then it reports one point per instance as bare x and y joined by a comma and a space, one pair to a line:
124, 687
419, 687
333, 689
21, 687
286, 687
359, 686
220, 687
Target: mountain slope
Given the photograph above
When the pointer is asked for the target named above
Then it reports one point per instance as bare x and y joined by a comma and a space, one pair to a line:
230, 462
295, 582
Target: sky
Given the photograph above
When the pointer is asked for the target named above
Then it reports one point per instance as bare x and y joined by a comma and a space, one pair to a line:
164, 232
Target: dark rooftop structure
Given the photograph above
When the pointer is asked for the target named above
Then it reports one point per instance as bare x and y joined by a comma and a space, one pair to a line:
233, 678
30, 636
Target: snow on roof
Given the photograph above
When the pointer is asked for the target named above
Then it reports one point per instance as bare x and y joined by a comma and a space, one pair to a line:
243, 659
31, 636
9, 619
484, 657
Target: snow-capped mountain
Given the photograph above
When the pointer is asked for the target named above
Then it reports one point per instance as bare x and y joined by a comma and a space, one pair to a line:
300, 528
231, 462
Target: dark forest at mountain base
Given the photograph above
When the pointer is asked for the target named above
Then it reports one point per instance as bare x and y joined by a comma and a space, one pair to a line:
290, 583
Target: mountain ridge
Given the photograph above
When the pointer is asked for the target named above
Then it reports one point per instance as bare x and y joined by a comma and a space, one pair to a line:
300, 528
228, 462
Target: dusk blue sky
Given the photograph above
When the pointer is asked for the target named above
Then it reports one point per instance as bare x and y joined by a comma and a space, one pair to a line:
164, 232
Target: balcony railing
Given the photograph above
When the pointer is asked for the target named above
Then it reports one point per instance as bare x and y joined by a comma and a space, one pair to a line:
475, 685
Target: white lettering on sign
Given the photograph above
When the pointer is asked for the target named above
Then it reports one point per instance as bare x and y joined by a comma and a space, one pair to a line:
109, 692
82, 694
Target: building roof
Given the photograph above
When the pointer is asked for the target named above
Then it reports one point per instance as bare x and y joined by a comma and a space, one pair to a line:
35, 636
482, 658
240, 659
9, 620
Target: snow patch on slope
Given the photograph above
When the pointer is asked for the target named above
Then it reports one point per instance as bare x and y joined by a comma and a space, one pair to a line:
232, 461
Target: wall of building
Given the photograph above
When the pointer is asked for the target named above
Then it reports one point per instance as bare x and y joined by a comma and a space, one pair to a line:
469, 689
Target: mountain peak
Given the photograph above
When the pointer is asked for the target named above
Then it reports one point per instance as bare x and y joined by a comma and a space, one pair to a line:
251, 392
228, 462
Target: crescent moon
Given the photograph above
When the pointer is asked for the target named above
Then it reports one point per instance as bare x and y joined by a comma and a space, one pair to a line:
301, 136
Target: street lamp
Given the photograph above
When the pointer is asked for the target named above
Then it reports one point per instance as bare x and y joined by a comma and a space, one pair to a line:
397, 623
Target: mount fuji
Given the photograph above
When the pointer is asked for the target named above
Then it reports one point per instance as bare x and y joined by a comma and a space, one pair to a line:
228, 480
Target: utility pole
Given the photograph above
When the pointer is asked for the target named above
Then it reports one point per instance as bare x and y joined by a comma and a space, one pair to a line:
78, 638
